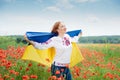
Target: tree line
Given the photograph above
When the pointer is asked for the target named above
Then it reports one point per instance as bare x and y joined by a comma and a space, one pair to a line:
88, 39
100, 39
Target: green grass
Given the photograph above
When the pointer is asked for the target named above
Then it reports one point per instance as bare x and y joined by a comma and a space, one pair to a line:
110, 53
6, 41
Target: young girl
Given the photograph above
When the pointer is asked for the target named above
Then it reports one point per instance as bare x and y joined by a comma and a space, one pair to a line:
63, 48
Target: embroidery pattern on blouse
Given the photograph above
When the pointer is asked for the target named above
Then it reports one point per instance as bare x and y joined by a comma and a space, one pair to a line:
66, 41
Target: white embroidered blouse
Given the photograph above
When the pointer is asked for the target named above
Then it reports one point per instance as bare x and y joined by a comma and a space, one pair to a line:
63, 47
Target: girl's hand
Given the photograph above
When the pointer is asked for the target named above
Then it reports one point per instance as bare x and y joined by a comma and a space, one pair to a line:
31, 42
80, 34
25, 37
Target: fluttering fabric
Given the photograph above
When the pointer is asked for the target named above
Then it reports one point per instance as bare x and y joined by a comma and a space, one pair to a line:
46, 56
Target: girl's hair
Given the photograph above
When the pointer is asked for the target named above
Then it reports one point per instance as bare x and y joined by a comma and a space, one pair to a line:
55, 27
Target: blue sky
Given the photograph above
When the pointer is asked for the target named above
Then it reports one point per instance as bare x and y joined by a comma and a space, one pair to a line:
94, 17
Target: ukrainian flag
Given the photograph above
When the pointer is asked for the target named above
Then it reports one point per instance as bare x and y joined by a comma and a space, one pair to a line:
46, 56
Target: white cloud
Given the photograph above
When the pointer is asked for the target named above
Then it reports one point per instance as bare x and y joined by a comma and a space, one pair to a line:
53, 8
39, 1
20, 24
64, 4
83, 1
9, 1
95, 25
59, 5
93, 19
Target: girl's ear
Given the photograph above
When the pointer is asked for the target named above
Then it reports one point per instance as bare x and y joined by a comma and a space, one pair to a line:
57, 30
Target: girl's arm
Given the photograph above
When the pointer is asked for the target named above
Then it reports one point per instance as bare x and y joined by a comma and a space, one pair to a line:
31, 42
45, 45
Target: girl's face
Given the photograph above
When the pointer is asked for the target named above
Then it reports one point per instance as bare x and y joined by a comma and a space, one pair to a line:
62, 28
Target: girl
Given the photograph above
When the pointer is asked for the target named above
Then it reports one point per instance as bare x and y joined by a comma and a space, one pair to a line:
63, 48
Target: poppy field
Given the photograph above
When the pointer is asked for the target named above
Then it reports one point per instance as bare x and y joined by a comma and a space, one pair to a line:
101, 62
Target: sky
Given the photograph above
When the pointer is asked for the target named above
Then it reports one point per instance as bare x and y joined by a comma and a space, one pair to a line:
93, 17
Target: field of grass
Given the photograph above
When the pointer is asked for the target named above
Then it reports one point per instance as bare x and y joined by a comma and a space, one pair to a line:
6, 41
101, 62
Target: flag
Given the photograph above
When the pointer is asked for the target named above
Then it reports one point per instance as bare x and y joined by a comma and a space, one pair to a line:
46, 56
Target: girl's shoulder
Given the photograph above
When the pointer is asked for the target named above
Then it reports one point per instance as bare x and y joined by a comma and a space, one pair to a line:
67, 35
54, 37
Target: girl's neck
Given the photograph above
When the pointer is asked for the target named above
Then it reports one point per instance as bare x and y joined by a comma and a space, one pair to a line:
61, 35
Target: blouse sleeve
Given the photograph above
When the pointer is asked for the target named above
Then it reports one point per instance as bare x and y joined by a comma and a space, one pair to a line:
44, 45
74, 39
